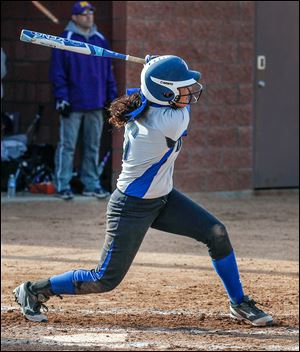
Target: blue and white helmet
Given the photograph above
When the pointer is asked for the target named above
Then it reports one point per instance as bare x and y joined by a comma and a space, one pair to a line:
163, 76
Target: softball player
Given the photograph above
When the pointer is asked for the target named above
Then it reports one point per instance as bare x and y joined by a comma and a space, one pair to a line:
155, 117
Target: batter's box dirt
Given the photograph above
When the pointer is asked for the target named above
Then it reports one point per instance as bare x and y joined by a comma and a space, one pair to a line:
171, 298
146, 332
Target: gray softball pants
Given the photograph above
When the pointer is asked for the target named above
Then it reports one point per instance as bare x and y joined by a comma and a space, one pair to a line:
129, 218
91, 139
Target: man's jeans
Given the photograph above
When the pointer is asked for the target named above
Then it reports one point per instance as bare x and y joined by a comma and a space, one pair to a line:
69, 129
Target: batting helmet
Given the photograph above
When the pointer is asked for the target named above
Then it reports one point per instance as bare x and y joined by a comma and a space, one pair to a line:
163, 76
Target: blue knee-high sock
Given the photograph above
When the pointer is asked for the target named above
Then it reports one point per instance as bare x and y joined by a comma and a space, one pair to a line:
63, 283
228, 271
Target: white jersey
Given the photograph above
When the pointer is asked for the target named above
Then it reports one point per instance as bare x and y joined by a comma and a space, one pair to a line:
151, 146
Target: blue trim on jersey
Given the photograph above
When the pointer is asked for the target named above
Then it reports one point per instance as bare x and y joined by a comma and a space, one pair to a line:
154, 105
133, 114
140, 186
130, 91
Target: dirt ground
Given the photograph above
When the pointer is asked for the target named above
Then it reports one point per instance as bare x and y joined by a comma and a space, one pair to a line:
171, 299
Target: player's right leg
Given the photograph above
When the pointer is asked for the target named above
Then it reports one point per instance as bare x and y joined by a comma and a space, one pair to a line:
183, 216
248, 311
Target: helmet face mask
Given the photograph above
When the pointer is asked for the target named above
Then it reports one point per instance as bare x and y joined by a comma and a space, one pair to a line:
189, 95
163, 77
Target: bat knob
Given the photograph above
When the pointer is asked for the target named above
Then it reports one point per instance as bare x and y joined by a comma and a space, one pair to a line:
24, 37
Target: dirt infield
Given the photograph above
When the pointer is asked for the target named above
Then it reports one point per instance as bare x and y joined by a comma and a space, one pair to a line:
171, 299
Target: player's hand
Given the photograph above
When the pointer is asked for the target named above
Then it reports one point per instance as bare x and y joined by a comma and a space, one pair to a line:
63, 107
150, 57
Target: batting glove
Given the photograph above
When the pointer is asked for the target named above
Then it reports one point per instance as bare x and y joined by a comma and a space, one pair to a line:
63, 107
150, 57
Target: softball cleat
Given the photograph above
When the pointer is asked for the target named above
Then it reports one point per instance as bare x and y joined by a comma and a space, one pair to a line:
30, 304
249, 312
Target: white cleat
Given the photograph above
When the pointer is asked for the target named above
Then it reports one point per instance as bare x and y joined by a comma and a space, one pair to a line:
249, 312
30, 304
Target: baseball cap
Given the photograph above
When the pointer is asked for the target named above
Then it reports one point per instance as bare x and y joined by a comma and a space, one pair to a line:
81, 6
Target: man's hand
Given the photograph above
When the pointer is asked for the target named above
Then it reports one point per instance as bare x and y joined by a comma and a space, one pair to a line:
63, 107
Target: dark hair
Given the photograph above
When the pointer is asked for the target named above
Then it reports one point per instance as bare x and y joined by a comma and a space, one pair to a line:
122, 106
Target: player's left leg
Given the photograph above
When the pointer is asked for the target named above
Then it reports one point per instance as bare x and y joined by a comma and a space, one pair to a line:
31, 298
128, 219
184, 217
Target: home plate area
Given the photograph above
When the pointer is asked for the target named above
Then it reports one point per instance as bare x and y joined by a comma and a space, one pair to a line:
171, 298
139, 335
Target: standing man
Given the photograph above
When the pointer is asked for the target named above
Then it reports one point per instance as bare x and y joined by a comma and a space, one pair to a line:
83, 86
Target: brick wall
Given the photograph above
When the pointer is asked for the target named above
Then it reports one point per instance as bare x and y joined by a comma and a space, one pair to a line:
119, 43
216, 38
26, 84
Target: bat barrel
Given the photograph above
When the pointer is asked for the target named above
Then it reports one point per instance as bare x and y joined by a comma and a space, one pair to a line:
53, 41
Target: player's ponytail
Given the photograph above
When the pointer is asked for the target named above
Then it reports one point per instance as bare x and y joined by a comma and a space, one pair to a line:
121, 107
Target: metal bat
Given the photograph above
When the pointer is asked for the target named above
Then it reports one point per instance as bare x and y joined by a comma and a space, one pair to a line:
73, 45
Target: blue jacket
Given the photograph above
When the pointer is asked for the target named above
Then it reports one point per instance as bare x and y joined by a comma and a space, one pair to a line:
86, 82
